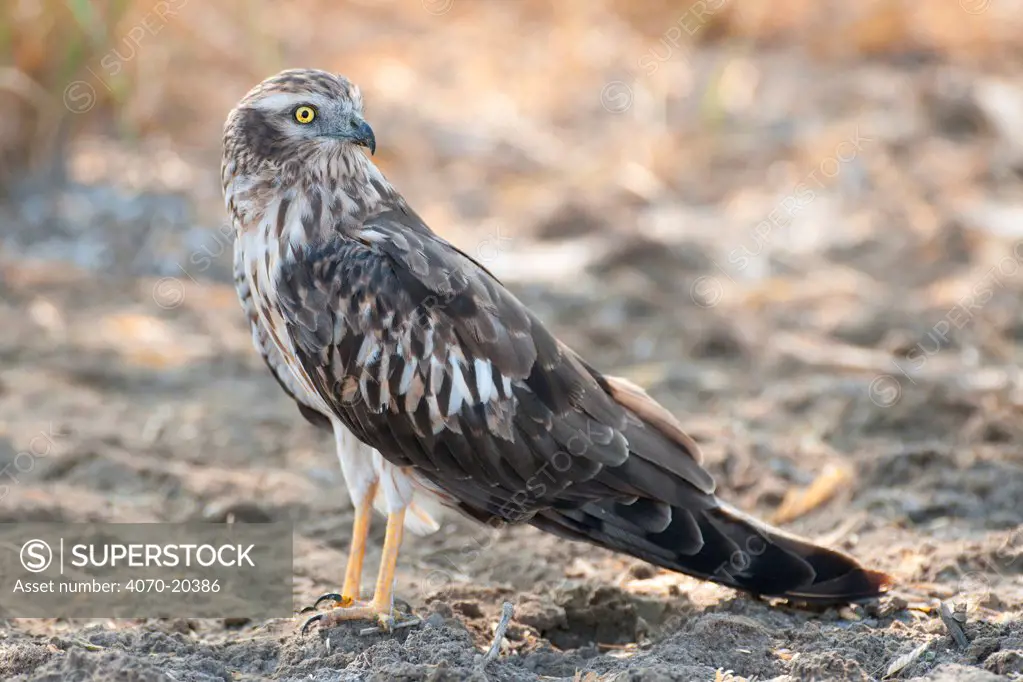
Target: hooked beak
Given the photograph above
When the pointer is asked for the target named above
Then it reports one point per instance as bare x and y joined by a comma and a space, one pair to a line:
363, 136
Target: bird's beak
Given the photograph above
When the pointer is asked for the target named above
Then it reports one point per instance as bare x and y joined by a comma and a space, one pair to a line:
364, 137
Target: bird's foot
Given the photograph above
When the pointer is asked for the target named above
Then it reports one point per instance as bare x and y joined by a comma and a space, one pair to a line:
386, 618
339, 615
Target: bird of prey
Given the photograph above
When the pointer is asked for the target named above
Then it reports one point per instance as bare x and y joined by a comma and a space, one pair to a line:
440, 384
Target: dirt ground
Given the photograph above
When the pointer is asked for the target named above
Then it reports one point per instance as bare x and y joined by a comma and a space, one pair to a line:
167, 415
824, 285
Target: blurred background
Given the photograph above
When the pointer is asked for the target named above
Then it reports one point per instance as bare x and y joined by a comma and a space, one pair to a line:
798, 224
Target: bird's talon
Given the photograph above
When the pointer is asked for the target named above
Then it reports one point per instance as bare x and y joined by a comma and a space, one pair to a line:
315, 619
342, 601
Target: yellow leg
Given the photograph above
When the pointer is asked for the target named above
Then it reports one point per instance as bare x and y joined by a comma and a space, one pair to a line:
357, 552
382, 596
381, 606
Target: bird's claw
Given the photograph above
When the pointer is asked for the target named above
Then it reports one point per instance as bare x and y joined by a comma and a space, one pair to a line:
340, 600
385, 622
309, 622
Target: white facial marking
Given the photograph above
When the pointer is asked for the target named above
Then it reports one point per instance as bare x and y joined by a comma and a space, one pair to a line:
283, 101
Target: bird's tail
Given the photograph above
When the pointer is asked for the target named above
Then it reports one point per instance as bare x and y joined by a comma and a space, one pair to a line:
770, 562
731, 548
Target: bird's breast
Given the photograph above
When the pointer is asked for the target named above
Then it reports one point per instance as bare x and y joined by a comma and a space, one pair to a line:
261, 260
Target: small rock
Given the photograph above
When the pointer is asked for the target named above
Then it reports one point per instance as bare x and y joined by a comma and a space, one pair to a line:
541, 615
468, 609
236, 512
1005, 662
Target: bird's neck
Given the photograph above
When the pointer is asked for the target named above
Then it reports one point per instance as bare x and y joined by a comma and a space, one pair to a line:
317, 196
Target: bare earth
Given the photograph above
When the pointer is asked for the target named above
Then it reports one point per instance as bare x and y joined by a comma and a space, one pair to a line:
167, 415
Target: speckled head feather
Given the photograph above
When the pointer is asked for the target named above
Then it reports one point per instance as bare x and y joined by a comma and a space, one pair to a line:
262, 129
307, 82
268, 152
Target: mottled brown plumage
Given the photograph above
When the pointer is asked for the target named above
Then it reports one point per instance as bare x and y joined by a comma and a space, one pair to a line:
381, 329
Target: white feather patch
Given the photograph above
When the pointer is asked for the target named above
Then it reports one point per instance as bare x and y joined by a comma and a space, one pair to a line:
459, 389
436, 375
484, 380
434, 413
285, 100
428, 344
368, 351
362, 466
372, 236
407, 374
385, 386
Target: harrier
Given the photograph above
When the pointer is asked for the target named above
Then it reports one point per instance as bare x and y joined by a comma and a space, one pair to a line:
438, 383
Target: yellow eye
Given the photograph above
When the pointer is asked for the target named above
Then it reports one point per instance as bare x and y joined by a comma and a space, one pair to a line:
305, 114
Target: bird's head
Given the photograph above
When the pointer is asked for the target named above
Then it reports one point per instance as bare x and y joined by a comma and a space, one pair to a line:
298, 116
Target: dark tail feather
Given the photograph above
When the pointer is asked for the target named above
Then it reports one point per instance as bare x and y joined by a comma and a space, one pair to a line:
774, 563
723, 545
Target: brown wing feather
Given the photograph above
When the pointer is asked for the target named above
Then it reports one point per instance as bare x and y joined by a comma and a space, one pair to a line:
636, 400
426, 357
